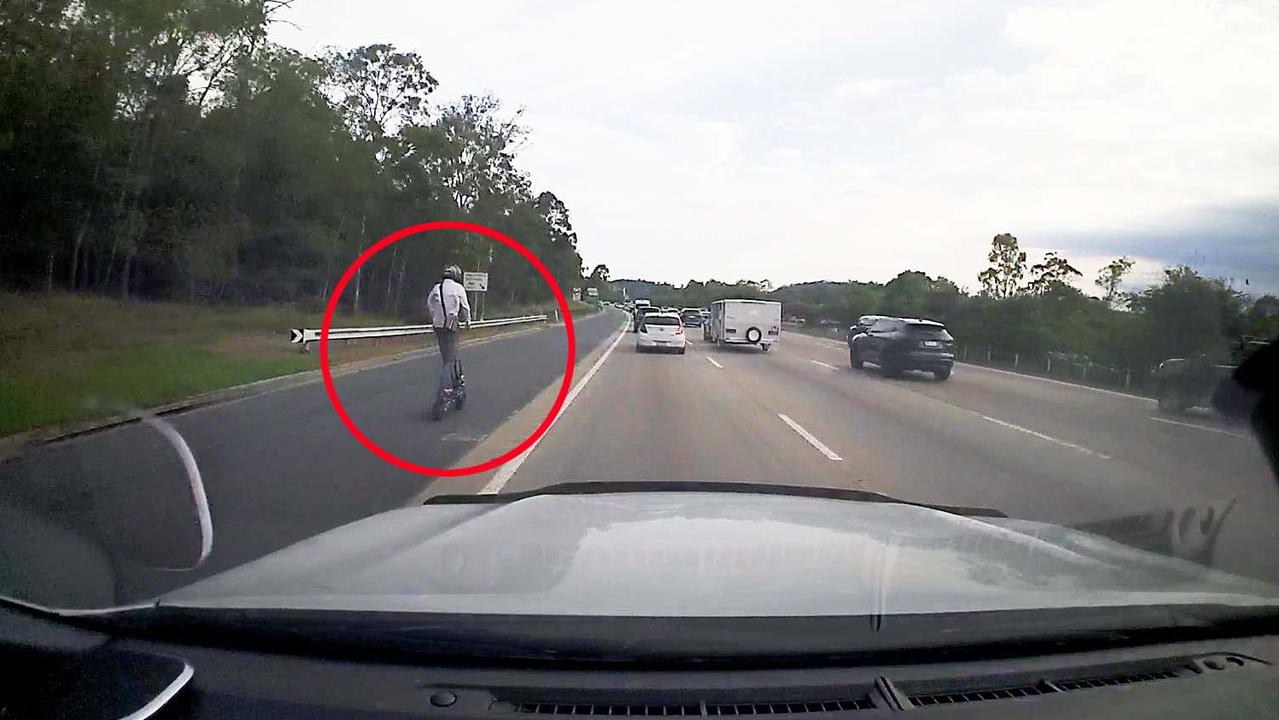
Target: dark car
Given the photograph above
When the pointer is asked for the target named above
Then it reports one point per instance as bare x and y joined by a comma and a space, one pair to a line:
900, 344
691, 317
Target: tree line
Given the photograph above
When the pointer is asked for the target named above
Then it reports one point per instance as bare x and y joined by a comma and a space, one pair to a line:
1030, 309
167, 149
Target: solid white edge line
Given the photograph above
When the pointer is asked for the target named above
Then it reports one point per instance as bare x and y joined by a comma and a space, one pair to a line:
1199, 427
507, 471
825, 365
715, 363
1063, 383
1042, 436
812, 440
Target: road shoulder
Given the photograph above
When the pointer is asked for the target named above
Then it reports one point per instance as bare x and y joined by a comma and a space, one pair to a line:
519, 426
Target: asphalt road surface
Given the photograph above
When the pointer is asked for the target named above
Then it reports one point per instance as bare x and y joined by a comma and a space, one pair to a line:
1030, 447
280, 467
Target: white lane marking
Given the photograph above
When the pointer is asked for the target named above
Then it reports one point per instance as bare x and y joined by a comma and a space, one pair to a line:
825, 365
1042, 436
821, 448
507, 471
715, 363
1077, 386
1199, 427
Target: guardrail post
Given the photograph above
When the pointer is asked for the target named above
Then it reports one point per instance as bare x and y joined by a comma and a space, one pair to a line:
1127, 378
306, 348
987, 354
1049, 371
1084, 376
1016, 359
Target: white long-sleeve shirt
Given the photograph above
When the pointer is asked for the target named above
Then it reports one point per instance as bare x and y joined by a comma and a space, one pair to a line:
448, 298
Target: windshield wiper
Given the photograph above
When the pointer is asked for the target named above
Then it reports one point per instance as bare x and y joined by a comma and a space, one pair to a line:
638, 486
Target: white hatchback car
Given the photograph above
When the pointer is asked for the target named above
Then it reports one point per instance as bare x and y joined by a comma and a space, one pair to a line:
661, 331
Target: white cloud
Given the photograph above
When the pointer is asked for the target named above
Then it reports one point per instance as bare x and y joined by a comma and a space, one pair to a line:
831, 141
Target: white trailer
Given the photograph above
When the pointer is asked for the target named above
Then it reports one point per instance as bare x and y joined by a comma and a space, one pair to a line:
744, 322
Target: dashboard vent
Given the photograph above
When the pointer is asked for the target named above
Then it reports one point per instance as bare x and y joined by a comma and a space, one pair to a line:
711, 709
1004, 693
905, 694
784, 708
539, 708
1112, 680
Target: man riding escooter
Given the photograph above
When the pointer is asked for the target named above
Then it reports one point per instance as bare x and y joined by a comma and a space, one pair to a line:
449, 310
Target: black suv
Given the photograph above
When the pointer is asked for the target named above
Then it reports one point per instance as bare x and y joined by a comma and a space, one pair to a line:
899, 344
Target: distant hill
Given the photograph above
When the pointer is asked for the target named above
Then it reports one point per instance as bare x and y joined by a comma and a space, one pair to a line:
633, 289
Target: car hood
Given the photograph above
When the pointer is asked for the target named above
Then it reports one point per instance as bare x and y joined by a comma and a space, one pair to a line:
708, 554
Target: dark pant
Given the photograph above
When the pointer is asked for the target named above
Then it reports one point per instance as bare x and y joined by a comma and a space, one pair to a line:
448, 353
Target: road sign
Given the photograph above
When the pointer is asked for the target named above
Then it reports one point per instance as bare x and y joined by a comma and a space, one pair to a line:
577, 294
592, 292
475, 281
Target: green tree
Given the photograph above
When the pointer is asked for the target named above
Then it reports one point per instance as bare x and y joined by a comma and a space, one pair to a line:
905, 294
1263, 317
944, 299
379, 89
1111, 277
1188, 313
1007, 267
1051, 274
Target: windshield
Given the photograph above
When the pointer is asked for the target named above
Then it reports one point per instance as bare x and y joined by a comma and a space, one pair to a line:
661, 320
276, 276
928, 332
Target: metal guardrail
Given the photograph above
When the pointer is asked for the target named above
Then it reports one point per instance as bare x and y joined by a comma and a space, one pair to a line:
305, 336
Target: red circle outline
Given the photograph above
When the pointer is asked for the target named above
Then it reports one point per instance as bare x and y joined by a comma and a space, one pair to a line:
386, 242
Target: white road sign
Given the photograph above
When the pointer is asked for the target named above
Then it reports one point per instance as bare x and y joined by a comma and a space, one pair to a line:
475, 281
592, 292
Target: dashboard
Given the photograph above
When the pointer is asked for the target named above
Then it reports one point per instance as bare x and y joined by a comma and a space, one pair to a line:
59, 670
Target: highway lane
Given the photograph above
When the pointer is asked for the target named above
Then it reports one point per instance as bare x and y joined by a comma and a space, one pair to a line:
1033, 449
278, 467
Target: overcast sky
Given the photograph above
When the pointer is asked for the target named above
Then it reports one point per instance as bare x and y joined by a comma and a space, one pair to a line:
840, 140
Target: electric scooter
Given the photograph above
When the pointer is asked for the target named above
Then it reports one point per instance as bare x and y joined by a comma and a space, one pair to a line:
452, 397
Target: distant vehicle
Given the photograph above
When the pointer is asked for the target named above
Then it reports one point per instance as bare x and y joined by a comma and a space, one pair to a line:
641, 303
744, 322
692, 317
1183, 383
661, 331
638, 316
900, 344
670, 310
